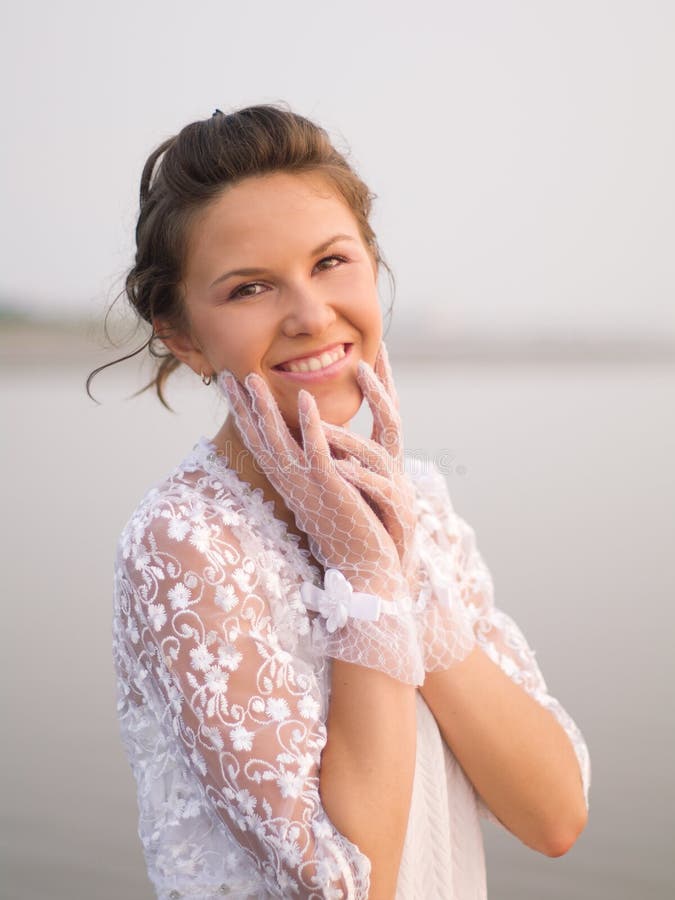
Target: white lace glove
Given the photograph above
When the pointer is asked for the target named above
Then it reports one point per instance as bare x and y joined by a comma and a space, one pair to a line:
365, 606
376, 466
377, 470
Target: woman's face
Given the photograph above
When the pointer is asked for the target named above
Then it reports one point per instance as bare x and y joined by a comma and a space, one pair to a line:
277, 269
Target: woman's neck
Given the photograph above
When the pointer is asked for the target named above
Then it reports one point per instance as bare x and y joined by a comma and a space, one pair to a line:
239, 458
231, 447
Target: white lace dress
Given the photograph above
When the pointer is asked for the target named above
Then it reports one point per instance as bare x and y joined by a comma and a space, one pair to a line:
223, 702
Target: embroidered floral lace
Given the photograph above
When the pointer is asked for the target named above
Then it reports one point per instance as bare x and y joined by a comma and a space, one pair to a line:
223, 693
344, 534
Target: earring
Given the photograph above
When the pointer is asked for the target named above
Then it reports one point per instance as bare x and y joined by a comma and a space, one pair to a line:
206, 379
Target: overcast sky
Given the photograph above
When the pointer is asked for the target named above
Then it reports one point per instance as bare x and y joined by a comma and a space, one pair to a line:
522, 152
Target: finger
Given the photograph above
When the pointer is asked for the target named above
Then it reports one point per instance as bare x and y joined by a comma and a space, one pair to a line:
229, 385
317, 451
379, 491
244, 416
386, 420
385, 414
270, 423
365, 450
384, 373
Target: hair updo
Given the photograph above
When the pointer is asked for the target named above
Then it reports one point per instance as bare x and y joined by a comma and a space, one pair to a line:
188, 171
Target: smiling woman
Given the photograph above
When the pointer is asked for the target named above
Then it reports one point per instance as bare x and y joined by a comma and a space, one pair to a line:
317, 695
303, 304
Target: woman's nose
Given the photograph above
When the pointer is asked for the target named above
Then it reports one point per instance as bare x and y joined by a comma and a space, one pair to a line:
307, 311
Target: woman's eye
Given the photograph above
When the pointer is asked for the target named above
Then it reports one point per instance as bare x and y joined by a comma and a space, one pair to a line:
249, 290
339, 259
244, 290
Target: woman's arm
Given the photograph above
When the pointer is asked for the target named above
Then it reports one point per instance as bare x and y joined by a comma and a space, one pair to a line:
367, 767
523, 752
196, 639
513, 750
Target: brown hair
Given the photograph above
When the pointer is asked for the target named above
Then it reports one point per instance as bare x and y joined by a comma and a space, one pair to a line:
191, 169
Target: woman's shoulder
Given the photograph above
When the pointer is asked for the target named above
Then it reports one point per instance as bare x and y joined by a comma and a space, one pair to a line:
202, 501
184, 497
431, 486
201, 524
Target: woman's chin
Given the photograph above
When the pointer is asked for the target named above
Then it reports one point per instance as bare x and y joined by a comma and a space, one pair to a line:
333, 410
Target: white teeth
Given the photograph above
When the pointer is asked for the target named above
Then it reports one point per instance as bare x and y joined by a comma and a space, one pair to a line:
313, 363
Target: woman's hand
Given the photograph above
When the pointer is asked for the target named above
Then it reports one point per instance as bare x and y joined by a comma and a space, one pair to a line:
343, 531
443, 623
376, 466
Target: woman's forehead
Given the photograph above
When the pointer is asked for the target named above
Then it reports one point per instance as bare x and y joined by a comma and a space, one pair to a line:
274, 212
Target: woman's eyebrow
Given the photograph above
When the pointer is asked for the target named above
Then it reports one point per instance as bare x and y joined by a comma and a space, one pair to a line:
259, 271
243, 272
326, 244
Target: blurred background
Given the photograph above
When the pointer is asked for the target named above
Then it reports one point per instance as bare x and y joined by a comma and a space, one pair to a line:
521, 153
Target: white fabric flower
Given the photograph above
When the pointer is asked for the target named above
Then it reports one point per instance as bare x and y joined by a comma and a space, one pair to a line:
226, 597
242, 738
201, 538
246, 801
308, 707
216, 681
179, 595
290, 784
142, 560
277, 709
157, 615
335, 600
178, 528
202, 659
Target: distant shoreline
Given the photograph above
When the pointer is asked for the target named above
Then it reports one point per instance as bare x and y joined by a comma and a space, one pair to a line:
64, 343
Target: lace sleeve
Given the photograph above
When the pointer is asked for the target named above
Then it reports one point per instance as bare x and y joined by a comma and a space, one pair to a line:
495, 631
245, 712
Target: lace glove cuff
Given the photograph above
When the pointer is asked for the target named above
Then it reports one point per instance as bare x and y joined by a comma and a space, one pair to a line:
443, 621
364, 628
444, 627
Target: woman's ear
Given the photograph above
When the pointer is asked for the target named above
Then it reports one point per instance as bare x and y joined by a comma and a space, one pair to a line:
182, 345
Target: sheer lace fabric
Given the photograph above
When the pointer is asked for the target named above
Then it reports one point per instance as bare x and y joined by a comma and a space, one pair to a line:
344, 534
223, 692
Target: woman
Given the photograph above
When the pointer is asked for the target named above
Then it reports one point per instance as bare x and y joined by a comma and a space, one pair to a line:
317, 695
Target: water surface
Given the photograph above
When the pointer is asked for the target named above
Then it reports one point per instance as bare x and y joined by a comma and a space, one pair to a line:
564, 470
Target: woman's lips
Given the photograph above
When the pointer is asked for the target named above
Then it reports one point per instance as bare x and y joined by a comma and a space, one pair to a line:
320, 374
327, 349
